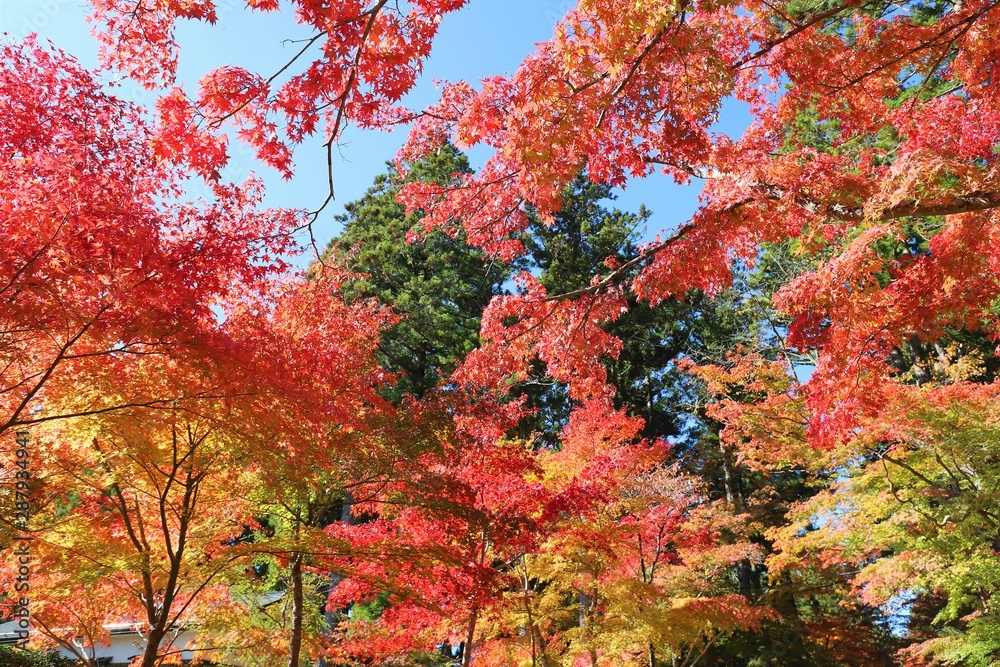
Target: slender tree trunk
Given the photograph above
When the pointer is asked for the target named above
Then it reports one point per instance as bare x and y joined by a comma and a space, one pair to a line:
652, 656
159, 621
542, 653
295, 646
734, 497
531, 620
470, 634
537, 642
586, 604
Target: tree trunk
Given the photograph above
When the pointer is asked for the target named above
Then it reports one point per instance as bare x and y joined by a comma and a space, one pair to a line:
540, 642
531, 620
295, 646
734, 494
652, 656
156, 636
469, 636
745, 573
586, 604
745, 576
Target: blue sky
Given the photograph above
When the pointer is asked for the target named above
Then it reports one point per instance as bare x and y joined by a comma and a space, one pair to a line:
487, 37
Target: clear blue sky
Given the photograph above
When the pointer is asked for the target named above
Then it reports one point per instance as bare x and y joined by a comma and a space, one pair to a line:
487, 37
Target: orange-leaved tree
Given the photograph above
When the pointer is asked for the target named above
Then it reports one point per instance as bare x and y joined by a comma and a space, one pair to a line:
104, 258
165, 367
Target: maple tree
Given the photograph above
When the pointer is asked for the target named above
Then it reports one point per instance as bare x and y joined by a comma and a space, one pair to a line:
104, 259
914, 516
317, 422
148, 506
108, 266
144, 342
646, 575
436, 542
132, 516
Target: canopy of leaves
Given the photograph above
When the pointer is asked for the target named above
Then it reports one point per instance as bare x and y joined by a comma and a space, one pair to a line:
845, 455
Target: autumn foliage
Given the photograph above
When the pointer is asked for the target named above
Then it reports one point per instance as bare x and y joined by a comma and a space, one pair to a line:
218, 450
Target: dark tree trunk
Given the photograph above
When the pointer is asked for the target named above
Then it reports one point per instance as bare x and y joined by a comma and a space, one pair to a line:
469, 636
156, 636
746, 573
295, 646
